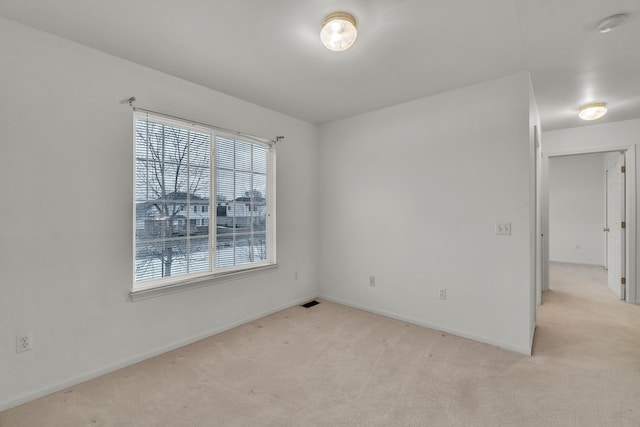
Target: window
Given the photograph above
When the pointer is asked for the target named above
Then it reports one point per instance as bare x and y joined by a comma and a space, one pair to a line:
179, 167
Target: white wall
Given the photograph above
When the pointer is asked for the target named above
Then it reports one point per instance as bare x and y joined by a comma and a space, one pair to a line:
577, 209
602, 137
410, 194
66, 229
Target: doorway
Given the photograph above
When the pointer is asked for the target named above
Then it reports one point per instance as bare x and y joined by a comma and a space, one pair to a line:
617, 211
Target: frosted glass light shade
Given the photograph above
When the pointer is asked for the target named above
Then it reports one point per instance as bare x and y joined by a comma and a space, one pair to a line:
339, 31
593, 111
612, 22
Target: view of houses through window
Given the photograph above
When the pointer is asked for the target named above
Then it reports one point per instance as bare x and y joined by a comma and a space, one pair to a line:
180, 194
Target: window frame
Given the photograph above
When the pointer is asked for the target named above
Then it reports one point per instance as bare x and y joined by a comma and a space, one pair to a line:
143, 289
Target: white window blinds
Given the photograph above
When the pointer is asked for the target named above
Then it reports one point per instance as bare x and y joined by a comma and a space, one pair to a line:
197, 213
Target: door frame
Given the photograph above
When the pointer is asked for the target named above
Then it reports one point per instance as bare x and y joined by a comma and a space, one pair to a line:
539, 249
629, 152
606, 218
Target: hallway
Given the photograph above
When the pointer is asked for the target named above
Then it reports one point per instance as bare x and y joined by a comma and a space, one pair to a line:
580, 310
589, 341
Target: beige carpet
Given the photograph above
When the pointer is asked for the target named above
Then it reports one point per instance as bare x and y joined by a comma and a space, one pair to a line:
331, 365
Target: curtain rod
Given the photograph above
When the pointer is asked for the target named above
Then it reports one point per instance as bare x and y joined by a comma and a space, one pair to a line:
235, 132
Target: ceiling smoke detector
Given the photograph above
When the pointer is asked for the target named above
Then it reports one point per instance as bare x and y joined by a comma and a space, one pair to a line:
612, 22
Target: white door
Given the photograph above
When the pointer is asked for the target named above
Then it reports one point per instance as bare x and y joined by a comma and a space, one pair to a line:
615, 225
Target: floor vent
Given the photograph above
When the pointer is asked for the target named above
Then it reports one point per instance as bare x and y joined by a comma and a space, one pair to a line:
310, 304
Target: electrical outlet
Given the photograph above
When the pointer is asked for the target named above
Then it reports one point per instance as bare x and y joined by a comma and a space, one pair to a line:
372, 280
23, 343
503, 228
443, 294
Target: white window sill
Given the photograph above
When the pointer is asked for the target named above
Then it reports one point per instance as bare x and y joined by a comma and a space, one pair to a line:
197, 282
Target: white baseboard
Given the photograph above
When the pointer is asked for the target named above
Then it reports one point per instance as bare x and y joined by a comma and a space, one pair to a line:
128, 362
564, 261
463, 334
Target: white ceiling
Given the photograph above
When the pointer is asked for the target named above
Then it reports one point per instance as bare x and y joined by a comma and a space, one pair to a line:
269, 52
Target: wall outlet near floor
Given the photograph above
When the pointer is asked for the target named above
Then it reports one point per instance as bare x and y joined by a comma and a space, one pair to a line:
372, 280
503, 228
443, 294
23, 343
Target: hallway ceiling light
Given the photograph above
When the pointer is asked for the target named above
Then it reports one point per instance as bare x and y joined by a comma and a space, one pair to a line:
338, 31
593, 111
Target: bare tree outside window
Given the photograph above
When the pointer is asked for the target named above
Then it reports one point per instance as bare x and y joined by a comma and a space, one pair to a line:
172, 174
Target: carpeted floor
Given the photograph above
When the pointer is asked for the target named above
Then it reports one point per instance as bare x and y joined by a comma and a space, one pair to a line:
331, 365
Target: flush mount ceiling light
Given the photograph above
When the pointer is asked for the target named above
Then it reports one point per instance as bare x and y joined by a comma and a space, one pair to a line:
593, 111
612, 22
338, 31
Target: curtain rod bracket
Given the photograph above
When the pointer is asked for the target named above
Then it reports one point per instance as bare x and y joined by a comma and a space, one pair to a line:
279, 138
128, 101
